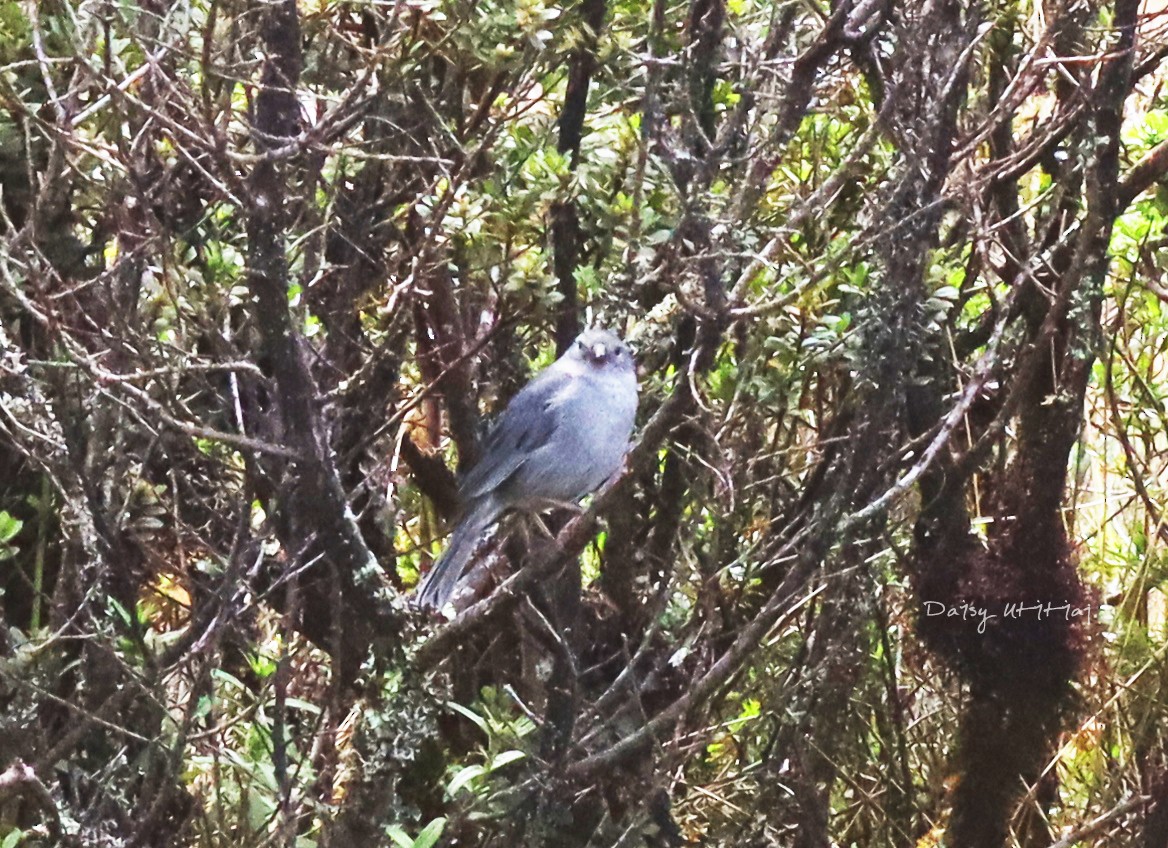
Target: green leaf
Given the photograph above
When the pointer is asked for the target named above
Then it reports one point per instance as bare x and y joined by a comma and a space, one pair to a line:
506, 758
430, 834
122, 612
400, 838
301, 704
478, 720
9, 527
229, 679
261, 665
464, 777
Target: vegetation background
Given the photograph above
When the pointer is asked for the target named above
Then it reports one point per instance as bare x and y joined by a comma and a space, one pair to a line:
895, 276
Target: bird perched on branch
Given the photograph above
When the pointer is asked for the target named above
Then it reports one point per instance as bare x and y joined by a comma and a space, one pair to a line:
562, 436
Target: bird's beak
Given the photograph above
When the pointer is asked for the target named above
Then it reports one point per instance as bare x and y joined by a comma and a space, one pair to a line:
599, 351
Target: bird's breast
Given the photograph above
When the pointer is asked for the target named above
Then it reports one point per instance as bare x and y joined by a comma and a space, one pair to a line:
594, 422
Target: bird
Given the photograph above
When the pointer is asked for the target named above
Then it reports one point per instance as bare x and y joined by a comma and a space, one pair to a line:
561, 437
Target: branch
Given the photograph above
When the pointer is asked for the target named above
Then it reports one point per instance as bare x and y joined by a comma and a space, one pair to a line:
777, 612
20, 781
1143, 175
313, 507
1097, 824
432, 477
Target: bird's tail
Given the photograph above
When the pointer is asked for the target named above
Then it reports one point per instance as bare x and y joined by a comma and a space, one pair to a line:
438, 585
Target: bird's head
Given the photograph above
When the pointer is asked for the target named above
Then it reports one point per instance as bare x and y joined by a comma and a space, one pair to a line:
602, 349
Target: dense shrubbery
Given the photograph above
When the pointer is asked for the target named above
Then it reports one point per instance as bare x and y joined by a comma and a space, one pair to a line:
893, 276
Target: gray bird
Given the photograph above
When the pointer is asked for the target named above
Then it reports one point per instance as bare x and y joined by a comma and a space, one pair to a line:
561, 437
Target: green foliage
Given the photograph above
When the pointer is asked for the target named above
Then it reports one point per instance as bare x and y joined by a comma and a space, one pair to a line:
426, 838
9, 528
190, 655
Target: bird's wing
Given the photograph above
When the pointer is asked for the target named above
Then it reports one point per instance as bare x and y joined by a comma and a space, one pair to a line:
525, 426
